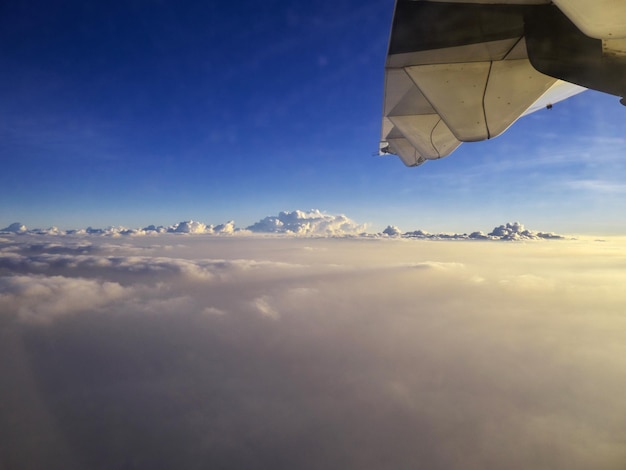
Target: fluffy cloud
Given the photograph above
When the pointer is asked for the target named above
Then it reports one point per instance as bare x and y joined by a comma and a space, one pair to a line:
189, 226
510, 231
130, 269
392, 231
199, 227
282, 352
299, 223
15, 227
40, 299
312, 222
517, 231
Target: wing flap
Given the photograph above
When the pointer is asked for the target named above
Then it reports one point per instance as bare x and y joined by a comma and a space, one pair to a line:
443, 139
407, 153
456, 92
513, 86
428, 134
402, 97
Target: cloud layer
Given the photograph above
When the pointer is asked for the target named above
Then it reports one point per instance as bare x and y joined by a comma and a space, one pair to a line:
252, 352
295, 223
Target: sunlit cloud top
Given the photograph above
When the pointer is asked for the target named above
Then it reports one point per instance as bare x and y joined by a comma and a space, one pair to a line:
298, 223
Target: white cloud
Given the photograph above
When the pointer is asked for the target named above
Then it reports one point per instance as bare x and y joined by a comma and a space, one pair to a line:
517, 231
198, 227
190, 227
313, 222
509, 231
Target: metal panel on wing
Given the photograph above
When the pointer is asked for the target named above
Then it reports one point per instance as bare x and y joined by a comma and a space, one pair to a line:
513, 86
406, 152
456, 92
420, 129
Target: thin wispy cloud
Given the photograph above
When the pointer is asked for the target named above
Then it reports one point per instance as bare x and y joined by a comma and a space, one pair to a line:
598, 186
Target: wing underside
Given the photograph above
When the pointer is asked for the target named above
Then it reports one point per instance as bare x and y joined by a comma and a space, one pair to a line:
456, 73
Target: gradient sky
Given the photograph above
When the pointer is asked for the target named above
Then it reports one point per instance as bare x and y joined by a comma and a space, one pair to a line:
146, 112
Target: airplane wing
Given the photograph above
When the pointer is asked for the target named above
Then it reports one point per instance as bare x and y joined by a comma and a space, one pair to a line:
465, 70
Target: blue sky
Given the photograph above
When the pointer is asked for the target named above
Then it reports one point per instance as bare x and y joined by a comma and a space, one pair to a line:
146, 112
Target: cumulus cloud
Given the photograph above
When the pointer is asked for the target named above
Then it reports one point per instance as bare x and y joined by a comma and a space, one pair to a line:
517, 231
392, 231
15, 227
509, 231
189, 226
313, 222
199, 227
282, 352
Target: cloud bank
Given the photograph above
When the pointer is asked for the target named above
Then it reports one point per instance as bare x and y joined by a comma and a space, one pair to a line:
313, 223
510, 231
290, 352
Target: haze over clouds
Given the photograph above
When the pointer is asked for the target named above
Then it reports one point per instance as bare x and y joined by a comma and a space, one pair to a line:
290, 352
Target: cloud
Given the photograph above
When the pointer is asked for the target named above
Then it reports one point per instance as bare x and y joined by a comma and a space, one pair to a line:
41, 299
597, 185
312, 222
283, 352
189, 226
392, 231
134, 268
15, 227
199, 227
263, 305
509, 231
517, 231
69, 247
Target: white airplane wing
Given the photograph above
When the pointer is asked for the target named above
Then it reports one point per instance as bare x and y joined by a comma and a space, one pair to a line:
464, 71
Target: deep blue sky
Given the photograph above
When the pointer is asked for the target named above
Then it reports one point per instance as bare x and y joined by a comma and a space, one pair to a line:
138, 112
